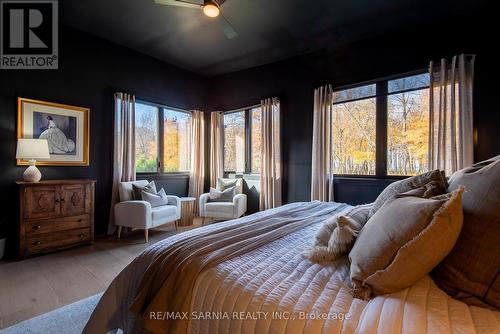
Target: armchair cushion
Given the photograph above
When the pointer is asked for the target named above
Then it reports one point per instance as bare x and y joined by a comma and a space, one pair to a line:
164, 211
219, 209
227, 210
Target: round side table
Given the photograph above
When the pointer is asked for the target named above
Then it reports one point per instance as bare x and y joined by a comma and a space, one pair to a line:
187, 211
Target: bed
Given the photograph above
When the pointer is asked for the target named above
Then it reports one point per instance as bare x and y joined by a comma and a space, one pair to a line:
275, 289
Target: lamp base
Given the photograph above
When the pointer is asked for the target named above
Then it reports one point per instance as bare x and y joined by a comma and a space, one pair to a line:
32, 174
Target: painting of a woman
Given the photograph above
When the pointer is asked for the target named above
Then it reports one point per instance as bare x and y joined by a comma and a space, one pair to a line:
58, 142
66, 129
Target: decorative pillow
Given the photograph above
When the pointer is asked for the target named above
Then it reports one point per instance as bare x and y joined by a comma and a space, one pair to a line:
337, 234
137, 190
411, 183
222, 196
155, 200
223, 184
471, 272
428, 190
403, 241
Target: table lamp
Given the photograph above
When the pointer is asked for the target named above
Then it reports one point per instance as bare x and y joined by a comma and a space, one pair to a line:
32, 149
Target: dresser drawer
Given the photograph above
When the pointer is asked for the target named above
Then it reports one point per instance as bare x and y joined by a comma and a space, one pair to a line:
41, 242
34, 227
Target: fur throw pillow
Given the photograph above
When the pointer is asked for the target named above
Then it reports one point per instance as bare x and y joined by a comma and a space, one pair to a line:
337, 235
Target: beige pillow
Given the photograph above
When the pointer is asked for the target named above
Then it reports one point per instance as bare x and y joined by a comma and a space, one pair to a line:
223, 184
158, 199
137, 190
410, 183
403, 241
471, 272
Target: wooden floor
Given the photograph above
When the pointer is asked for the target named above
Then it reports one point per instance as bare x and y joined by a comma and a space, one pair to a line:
40, 284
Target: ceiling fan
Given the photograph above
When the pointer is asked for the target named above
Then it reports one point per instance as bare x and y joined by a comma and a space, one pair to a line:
210, 8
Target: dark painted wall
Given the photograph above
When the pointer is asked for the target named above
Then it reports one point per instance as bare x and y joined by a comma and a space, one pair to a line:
294, 80
90, 71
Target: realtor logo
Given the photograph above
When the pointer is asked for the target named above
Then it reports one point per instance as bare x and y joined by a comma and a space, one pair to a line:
28, 35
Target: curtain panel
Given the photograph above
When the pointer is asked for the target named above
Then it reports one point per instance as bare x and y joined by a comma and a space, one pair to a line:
216, 147
270, 171
123, 148
322, 147
197, 168
451, 138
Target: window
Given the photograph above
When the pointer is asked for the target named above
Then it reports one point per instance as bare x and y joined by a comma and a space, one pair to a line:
242, 141
408, 125
353, 131
382, 128
161, 147
234, 142
255, 116
176, 141
146, 138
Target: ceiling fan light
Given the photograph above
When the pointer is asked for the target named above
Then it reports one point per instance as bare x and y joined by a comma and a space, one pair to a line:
211, 10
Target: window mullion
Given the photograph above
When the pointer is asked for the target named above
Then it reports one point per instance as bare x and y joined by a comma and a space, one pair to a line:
381, 130
248, 142
161, 130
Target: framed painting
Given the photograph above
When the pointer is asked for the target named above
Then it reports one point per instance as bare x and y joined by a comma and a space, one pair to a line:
65, 127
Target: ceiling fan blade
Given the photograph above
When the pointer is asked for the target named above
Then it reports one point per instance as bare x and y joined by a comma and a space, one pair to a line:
178, 3
227, 27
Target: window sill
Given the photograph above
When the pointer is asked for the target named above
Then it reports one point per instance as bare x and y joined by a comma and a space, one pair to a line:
244, 176
173, 175
369, 177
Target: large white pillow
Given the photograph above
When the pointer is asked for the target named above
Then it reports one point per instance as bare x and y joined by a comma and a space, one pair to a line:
157, 199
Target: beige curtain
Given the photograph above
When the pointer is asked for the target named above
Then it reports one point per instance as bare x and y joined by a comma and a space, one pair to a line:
197, 168
270, 150
451, 139
123, 148
322, 148
216, 147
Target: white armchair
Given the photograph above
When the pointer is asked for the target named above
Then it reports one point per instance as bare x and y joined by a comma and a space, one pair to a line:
224, 210
140, 214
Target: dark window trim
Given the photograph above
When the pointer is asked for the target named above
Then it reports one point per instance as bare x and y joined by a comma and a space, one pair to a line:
160, 147
381, 106
248, 139
385, 78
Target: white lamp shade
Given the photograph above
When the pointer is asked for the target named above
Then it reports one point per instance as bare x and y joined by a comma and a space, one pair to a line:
32, 149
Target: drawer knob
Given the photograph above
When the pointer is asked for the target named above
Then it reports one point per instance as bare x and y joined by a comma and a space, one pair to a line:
80, 220
37, 227
57, 201
36, 243
81, 235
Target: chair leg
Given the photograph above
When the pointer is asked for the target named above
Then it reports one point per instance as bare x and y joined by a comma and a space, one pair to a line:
176, 223
146, 235
119, 232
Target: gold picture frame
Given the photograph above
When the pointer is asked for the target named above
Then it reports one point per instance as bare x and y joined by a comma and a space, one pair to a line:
66, 128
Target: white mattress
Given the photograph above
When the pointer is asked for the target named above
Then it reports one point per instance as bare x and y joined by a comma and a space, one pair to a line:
278, 281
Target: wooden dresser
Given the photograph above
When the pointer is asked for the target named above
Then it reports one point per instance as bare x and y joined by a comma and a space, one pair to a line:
55, 214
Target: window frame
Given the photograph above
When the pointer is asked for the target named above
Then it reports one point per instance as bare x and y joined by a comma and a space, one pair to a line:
381, 121
160, 147
248, 140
